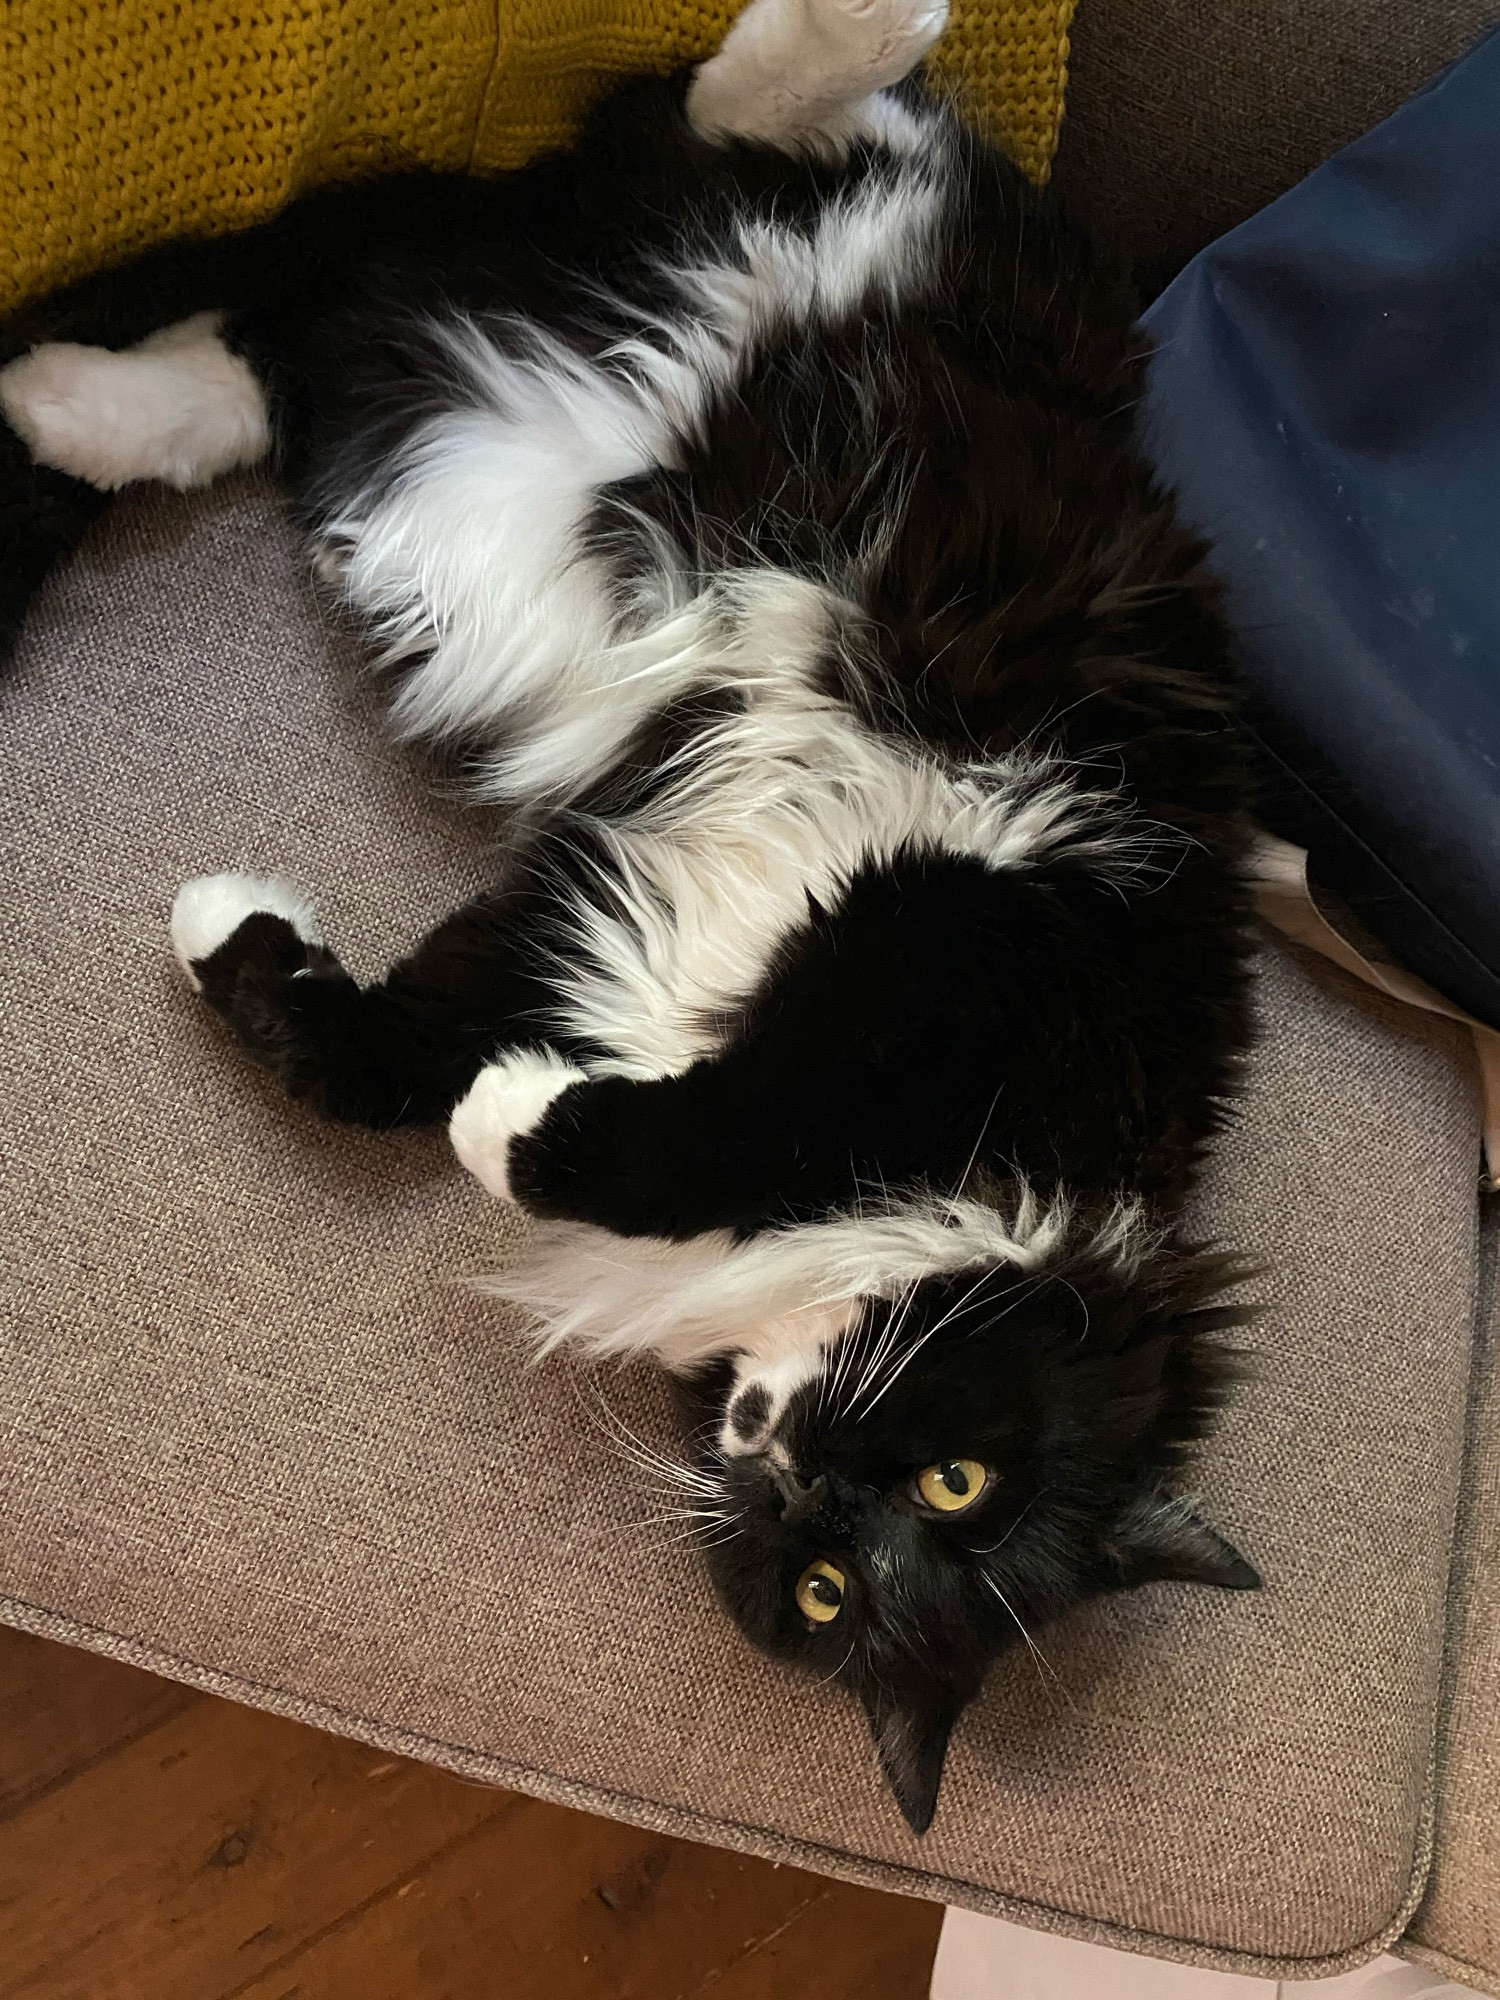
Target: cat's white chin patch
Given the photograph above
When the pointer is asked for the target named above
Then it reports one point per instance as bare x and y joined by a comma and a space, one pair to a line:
210, 909
506, 1100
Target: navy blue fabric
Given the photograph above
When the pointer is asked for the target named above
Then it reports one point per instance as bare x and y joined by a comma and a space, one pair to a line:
1325, 398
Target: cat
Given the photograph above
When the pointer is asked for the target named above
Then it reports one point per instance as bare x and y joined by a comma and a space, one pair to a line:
747, 495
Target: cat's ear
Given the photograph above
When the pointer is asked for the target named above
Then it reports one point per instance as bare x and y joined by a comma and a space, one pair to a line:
912, 1740
1166, 1538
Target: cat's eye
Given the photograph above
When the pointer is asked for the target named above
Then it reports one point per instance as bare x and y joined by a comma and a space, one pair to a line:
953, 1485
820, 1592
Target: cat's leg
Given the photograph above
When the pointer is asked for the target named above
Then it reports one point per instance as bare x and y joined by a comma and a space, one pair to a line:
135, 372
801, 73
834, 1093
401, 1052
753, 1137
123, 375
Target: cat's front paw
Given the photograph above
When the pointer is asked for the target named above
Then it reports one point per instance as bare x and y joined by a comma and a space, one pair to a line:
507, 1099
210, 909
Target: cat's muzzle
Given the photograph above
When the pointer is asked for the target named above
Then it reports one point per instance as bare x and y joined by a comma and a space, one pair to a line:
800, 1498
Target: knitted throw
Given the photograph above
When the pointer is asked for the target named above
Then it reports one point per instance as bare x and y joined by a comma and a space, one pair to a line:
126, 121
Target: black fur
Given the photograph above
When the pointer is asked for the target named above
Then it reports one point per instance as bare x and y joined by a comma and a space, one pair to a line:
1082, 1397
940, 1025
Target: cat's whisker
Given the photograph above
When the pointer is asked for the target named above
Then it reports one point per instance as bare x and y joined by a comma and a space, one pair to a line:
721, 1533
709, 1514
978, 1143
993, 1546
843, 1354
917, 1345
625, 1443
1020, 1296
1043, 1665
885, 1345
824, 1679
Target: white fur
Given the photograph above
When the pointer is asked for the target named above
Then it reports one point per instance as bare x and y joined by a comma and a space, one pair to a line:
789, 801
211, 908
506, 1099
785, 1291
179, 407
473, 555
786, 1362
795, 72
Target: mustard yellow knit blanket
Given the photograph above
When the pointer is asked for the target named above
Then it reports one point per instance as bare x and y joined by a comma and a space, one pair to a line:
125, 121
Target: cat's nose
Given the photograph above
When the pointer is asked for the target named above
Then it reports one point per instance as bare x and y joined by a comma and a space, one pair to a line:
799, 1497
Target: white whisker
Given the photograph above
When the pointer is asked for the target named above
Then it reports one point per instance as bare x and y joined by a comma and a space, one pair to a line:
1038, 1656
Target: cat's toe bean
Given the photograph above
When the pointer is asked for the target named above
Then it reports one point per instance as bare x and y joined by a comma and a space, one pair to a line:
507, 1099
211, 908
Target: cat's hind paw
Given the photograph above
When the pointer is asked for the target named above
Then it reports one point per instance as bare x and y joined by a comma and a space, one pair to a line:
179, 407
507, 1100
797, 70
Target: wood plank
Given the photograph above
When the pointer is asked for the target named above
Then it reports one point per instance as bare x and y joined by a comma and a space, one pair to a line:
60, 1709
193, 1857
576, 1908
188, 1849
852, 1944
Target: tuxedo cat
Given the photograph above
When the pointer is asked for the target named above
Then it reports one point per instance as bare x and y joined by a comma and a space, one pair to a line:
747, 496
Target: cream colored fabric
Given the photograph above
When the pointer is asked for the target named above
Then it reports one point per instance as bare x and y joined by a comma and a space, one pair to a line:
1285, 899
253, 1434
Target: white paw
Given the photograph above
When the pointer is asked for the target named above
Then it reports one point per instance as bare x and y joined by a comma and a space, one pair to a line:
211, 908
507, 1099
879, 32
179, 408
790, 67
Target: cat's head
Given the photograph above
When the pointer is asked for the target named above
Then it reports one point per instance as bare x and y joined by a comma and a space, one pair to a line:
996, 1443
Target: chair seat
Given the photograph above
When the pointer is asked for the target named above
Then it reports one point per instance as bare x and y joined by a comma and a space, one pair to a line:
1457, 1928
259, 1436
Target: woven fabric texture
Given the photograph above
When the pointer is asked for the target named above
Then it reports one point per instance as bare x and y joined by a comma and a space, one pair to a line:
1183, 119
1457, 1929
253, 1433
123, 122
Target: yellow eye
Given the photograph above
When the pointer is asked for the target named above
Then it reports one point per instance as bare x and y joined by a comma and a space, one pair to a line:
955, 1484
820, 1592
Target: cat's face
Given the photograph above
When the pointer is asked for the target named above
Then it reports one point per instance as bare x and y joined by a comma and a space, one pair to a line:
962, 1466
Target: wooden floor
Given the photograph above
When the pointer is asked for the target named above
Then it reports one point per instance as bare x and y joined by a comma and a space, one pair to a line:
157, 1844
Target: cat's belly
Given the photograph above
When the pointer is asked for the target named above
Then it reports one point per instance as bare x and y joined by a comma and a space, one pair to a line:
476, 548
667, 964
787, 806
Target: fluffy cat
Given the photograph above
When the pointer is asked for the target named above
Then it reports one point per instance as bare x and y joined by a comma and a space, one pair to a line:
748, 496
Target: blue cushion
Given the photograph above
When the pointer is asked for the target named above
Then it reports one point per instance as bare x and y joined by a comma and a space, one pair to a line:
1325, 398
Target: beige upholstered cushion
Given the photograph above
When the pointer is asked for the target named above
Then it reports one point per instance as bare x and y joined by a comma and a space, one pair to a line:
1457, 1928
255, 1436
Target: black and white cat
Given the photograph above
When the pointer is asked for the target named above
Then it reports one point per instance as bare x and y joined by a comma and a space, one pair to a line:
748, 496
